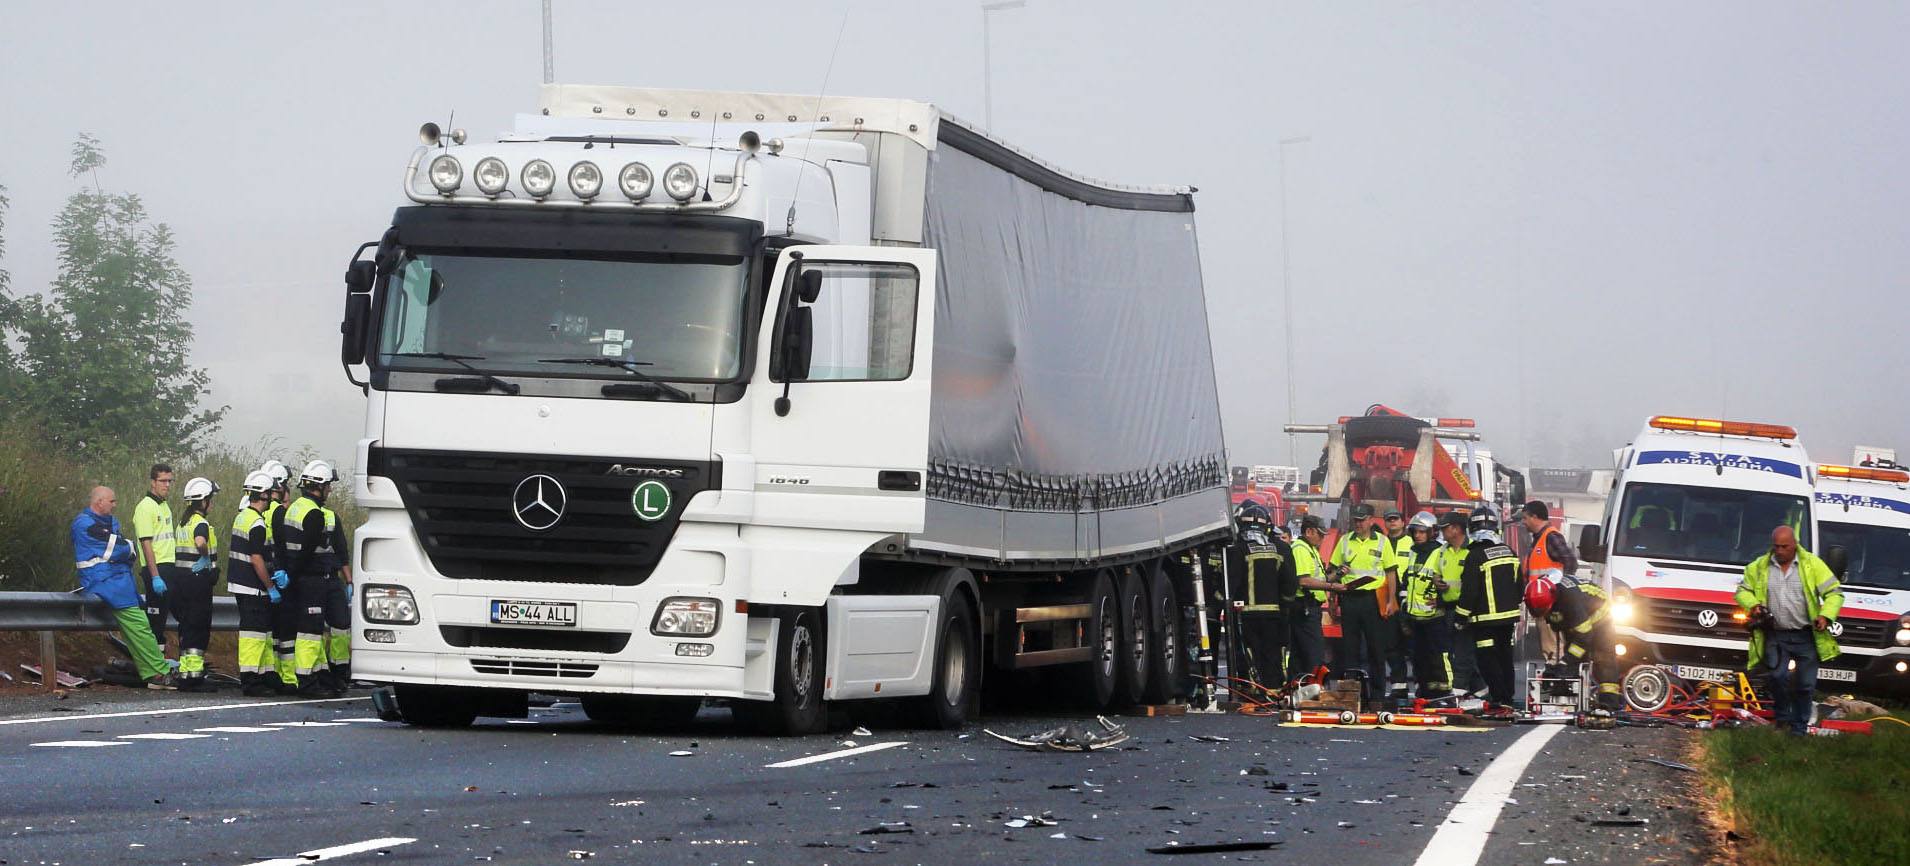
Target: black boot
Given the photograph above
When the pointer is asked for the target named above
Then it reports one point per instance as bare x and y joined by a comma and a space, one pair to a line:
259, 685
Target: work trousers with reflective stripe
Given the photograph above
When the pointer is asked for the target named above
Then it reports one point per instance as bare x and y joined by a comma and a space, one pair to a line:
255, 635
1363, 640
1306, 645
190, 597
1597, 647
1431, 639
1264, 633
1492, 646
324, 623
285, 616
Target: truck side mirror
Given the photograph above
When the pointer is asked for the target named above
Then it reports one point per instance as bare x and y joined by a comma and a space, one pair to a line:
1591, 547
351, 347
799, 331
358, 277
1838, 559
809, 286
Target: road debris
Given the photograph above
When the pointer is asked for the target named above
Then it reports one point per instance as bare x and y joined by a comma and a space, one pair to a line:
889, 827
1045, 819
1672, 764
681, 753
1213, 848
579, 854
861, 732
1069, 738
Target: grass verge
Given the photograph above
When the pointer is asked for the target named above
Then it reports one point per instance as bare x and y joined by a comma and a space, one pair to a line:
1813, 800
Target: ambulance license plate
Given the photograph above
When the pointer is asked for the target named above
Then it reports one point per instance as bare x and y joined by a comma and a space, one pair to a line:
1837, 675
556, 613
1693, 672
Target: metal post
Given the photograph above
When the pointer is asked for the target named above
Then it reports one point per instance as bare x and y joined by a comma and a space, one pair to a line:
988, 88
1286, 283
550, 75
49, 662
1206, 658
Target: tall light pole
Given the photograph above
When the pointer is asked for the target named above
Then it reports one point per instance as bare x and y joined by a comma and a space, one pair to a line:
1286, 284
550, 70
988, 90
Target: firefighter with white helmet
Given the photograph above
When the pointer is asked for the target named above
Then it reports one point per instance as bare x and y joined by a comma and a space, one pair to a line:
195, 556
317, 559
285, 614
251, 582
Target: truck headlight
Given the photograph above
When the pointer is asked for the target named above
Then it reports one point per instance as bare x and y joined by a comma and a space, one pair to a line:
586, 180
680, 181
538, 178
687, 617
1622, 612
446, 174
636, 181
491, 175
1903, 631
392, 605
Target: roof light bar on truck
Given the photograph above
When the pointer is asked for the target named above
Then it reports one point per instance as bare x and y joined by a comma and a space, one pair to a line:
539, 180
1722, 428
1863, 473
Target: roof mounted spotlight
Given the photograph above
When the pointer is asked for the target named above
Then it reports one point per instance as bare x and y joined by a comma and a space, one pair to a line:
446, 174
491, 175
538, 178
635, 180
680, 181
430, 134
586, 180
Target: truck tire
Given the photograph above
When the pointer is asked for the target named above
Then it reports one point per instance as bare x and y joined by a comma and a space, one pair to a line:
798, 707
435, 706
1098, 683
958, 661
641, 712
1167, 677
1137, 638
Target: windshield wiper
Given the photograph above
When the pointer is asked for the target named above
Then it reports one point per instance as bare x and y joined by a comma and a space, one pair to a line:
487, 380
628, 367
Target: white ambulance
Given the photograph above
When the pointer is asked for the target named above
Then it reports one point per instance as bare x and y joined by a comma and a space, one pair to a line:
1866, 511
1694, 500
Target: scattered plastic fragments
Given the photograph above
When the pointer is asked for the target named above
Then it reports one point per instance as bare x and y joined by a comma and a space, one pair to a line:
888, 827
1070, 738
1672, 764
1045, 819
861, 732
579, 854
1211, 738
1554, 861
681, 753
1213, 848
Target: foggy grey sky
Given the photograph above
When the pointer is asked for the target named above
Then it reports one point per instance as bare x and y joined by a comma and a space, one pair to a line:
1556, 219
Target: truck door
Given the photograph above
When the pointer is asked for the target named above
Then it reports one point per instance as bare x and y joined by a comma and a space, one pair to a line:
840, 408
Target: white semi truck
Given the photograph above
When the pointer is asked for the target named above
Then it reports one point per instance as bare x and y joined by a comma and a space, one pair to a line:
679, 395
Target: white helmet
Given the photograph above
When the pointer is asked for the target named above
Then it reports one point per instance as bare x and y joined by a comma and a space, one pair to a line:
260, 483
277, 470
317, 472
200, 488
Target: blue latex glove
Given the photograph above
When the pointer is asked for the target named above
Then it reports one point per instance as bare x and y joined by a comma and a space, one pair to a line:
203, 565
280, 578
159, 585
348, 592
272, 592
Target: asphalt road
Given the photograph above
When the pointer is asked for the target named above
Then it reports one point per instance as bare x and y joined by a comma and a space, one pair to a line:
281, 780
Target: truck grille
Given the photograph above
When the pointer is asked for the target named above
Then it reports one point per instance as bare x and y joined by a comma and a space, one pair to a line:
1664, 616
460, 504
522, 668
606, 642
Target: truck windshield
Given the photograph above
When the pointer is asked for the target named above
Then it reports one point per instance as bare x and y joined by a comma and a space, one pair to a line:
1879, 555
1706, 524
675, 319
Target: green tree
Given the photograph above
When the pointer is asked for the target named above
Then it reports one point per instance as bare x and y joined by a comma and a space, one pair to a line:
104, 353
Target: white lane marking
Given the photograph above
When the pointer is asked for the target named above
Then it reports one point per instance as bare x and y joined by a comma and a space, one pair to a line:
1461, 838
176, 711
336, 851
307, 724
164, 736
81, 744
371, 721
237, 729
830, 756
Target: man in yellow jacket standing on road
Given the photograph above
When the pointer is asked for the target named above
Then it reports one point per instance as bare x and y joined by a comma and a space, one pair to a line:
1793, 598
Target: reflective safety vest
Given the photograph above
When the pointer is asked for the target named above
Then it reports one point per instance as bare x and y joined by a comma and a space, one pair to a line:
1539, 561
1823, 596
1365, 560
1491, 586
240, 578
1425, 601
1306, 563
1577, 610
323, 556
185, 551
152, 519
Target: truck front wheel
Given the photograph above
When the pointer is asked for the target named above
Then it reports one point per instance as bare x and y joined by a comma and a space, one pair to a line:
798, 707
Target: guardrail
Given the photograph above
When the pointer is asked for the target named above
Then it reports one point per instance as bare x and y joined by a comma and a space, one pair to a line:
49, 612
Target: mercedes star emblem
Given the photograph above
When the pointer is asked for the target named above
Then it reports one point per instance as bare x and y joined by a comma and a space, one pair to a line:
1707, 618
538, 503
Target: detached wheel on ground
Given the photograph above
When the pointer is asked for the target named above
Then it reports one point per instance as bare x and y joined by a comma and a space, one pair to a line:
436, 706
647, 713
958, 660
1137, 638
1647, 688
798, 707
1167, 677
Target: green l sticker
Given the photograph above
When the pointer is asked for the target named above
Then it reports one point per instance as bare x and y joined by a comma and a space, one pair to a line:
651, 500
